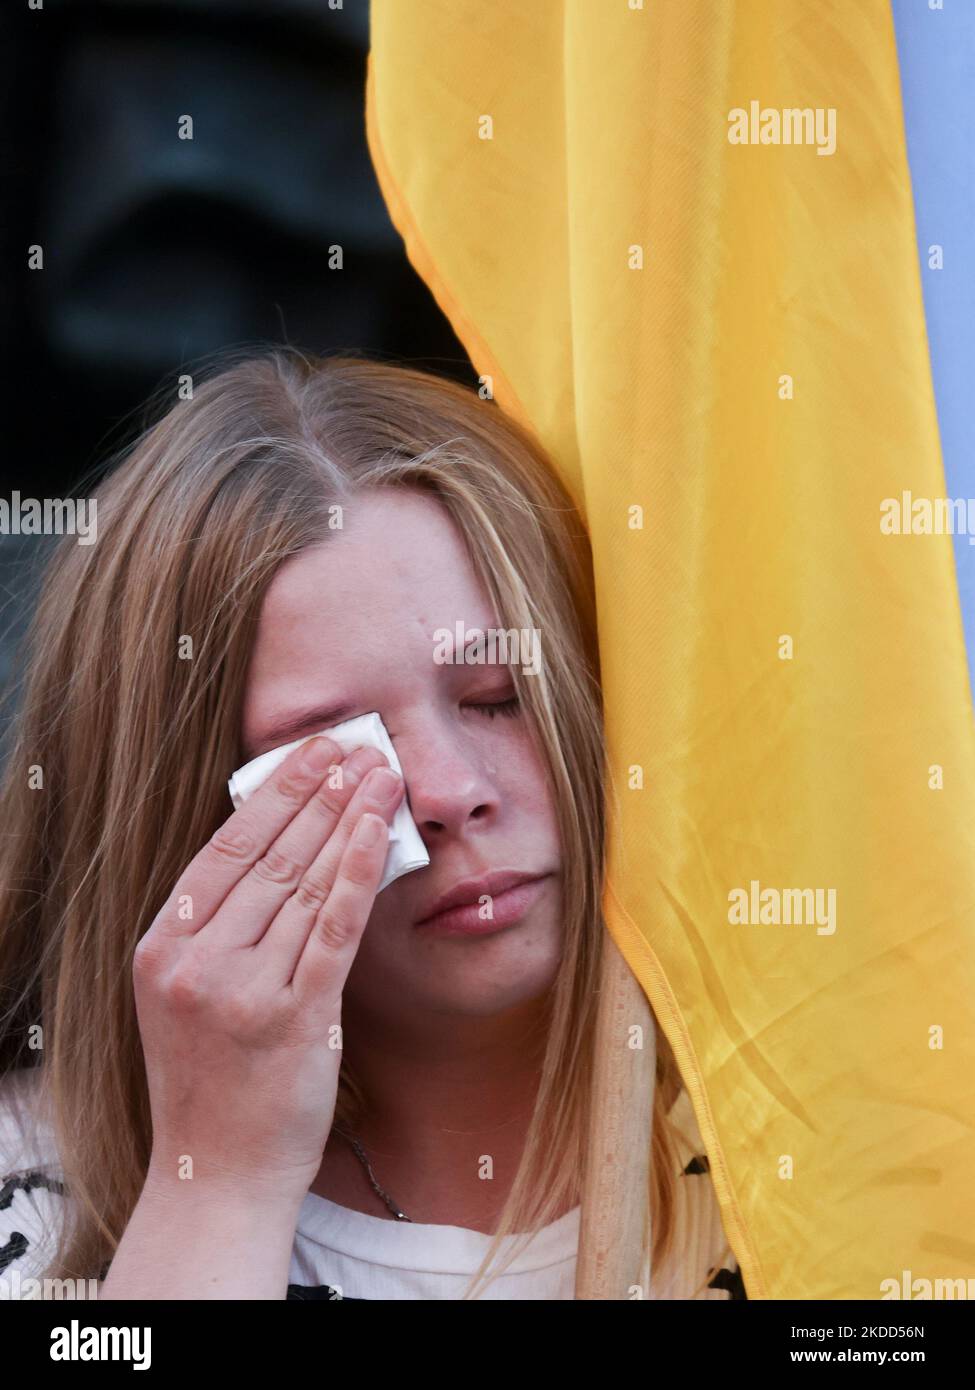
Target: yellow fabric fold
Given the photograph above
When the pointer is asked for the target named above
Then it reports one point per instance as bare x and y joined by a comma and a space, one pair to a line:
722, 346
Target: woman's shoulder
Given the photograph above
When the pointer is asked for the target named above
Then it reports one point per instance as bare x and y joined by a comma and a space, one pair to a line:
32, 1194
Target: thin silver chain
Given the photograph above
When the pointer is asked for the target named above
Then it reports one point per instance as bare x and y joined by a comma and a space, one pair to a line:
379, 1191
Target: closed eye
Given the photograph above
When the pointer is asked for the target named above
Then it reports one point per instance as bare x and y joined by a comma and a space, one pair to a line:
508, 707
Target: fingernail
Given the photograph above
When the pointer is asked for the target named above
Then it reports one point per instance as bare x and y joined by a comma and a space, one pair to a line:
384, 783
368, 830
319, 754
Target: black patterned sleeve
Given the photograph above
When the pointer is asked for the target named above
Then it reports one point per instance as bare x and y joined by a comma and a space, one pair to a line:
31, 1212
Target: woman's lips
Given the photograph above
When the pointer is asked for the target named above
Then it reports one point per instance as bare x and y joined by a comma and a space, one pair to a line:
471, 919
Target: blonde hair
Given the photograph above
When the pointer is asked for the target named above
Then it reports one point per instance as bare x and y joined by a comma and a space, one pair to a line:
136, 745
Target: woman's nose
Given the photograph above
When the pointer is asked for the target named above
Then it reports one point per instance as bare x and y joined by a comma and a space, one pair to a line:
449, 790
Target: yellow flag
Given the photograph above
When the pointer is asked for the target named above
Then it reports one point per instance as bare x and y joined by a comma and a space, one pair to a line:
677, 237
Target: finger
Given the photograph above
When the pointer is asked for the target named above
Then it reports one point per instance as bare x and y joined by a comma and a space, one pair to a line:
326, 960
252, 904
236, 846
284, 940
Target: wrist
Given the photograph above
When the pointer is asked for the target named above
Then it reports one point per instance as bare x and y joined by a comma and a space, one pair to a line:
225, 1189
223, 1236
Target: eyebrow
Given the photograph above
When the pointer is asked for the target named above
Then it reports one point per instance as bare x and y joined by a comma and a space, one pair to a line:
305, 721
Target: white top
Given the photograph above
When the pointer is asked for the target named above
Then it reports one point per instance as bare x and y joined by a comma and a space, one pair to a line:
341, 1253
371, 1257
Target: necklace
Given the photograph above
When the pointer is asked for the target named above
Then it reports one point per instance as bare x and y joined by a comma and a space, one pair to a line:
379, 1191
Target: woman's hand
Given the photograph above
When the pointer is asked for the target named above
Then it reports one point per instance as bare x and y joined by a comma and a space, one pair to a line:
238, 982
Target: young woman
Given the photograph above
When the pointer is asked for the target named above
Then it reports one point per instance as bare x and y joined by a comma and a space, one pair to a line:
232, 1069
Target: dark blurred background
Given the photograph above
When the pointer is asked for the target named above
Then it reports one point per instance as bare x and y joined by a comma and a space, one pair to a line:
159, 249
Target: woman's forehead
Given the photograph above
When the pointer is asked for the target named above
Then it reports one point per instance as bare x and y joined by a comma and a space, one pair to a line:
386, 542
371, 603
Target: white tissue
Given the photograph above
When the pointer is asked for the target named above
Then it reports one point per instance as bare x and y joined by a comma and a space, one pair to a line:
406, 849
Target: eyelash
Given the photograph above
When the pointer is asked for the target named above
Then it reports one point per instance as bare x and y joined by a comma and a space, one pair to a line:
508, 708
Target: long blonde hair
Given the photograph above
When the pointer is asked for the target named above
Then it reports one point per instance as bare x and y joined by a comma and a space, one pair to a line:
135, 744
